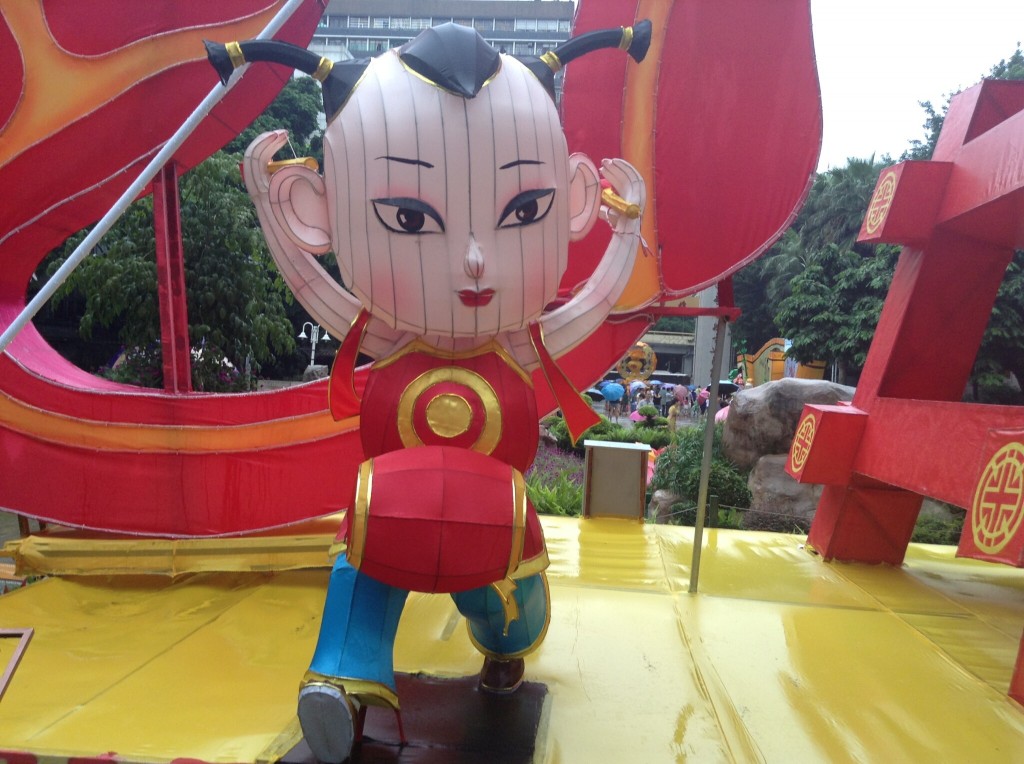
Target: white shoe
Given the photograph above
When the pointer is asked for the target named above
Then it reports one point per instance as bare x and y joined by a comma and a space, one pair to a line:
327, 718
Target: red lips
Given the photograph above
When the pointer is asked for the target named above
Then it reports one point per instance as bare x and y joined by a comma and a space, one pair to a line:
475, 298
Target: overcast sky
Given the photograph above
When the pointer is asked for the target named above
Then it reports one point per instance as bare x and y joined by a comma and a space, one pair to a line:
878, 58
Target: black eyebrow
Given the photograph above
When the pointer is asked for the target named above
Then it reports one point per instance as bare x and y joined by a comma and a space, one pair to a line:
406, 160
519, 162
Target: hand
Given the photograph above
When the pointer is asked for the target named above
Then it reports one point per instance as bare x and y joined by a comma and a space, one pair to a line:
257, 158
627, 183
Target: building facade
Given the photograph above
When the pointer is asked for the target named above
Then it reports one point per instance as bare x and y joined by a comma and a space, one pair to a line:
366, 27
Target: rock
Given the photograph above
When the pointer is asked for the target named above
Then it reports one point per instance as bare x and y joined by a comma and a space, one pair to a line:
779, 502
939, 510
660, 508
763, 419
315, 372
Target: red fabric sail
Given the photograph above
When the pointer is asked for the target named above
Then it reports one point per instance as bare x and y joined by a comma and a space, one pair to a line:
735, 129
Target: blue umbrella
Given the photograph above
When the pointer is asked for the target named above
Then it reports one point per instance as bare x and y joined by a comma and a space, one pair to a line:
613, 392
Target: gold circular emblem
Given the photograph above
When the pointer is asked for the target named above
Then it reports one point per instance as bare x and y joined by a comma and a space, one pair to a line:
450, 413
998, 505
878, 209
802, 443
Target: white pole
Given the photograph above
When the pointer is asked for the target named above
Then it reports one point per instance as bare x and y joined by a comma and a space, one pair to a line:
705, 465
173, 144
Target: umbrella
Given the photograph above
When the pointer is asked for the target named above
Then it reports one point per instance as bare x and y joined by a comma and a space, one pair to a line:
725, 386
635, 385
594, 394
722, 414
636, 416
613, 392
656, 382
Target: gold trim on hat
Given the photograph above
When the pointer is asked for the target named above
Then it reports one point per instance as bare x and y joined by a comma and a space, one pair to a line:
323, 69
442, 88
552, 60
235, 54
627, 38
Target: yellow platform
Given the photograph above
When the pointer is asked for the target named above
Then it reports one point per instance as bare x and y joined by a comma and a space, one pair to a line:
779, 658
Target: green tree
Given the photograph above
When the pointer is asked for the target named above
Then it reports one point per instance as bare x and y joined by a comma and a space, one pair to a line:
297, 109
827, 300
236, 304
834, 305
240, 313
836, 205
678, 324
756, 324
817, 286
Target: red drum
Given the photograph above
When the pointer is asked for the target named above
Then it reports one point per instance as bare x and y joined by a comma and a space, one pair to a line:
441, 519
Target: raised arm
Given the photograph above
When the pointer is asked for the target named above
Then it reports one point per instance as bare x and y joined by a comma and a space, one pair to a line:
291, 206
570, 324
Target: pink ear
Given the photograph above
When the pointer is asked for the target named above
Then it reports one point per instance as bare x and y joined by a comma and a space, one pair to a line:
297, 197
584, 195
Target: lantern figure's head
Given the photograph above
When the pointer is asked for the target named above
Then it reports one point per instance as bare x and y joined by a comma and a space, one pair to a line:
449, 196
450, 214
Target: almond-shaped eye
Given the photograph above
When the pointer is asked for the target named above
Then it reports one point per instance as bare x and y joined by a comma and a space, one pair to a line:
527, 207
407, 215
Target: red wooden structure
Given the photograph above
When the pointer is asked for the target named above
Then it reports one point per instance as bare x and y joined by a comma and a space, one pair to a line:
906, 435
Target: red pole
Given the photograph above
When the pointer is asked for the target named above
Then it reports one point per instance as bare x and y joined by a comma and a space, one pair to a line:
170, 269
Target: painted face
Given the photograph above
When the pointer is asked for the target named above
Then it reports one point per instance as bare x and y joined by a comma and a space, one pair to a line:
449, 215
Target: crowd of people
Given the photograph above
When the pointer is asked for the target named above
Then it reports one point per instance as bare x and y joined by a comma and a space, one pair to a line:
676, 402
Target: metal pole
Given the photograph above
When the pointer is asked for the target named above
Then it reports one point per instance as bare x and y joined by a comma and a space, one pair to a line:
705, 464
173, 144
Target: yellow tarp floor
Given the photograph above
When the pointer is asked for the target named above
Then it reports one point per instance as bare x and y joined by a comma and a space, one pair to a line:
780, 657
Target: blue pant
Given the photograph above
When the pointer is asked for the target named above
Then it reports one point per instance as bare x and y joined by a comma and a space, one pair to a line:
361, 614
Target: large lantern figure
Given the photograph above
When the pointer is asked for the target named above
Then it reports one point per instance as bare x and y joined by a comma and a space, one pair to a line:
449, 198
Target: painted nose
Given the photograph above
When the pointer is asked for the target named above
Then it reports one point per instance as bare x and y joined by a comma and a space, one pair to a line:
474, 262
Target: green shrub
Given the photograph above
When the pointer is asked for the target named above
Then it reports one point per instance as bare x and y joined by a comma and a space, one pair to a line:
937, 530
655, 438
560, 496
605, 430
678, 470
649, 414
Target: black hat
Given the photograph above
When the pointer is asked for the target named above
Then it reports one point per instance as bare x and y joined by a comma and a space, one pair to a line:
450, 56
337, 79
635, 40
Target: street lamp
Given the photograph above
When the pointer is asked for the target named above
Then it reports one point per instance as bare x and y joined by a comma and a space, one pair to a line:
318, 333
